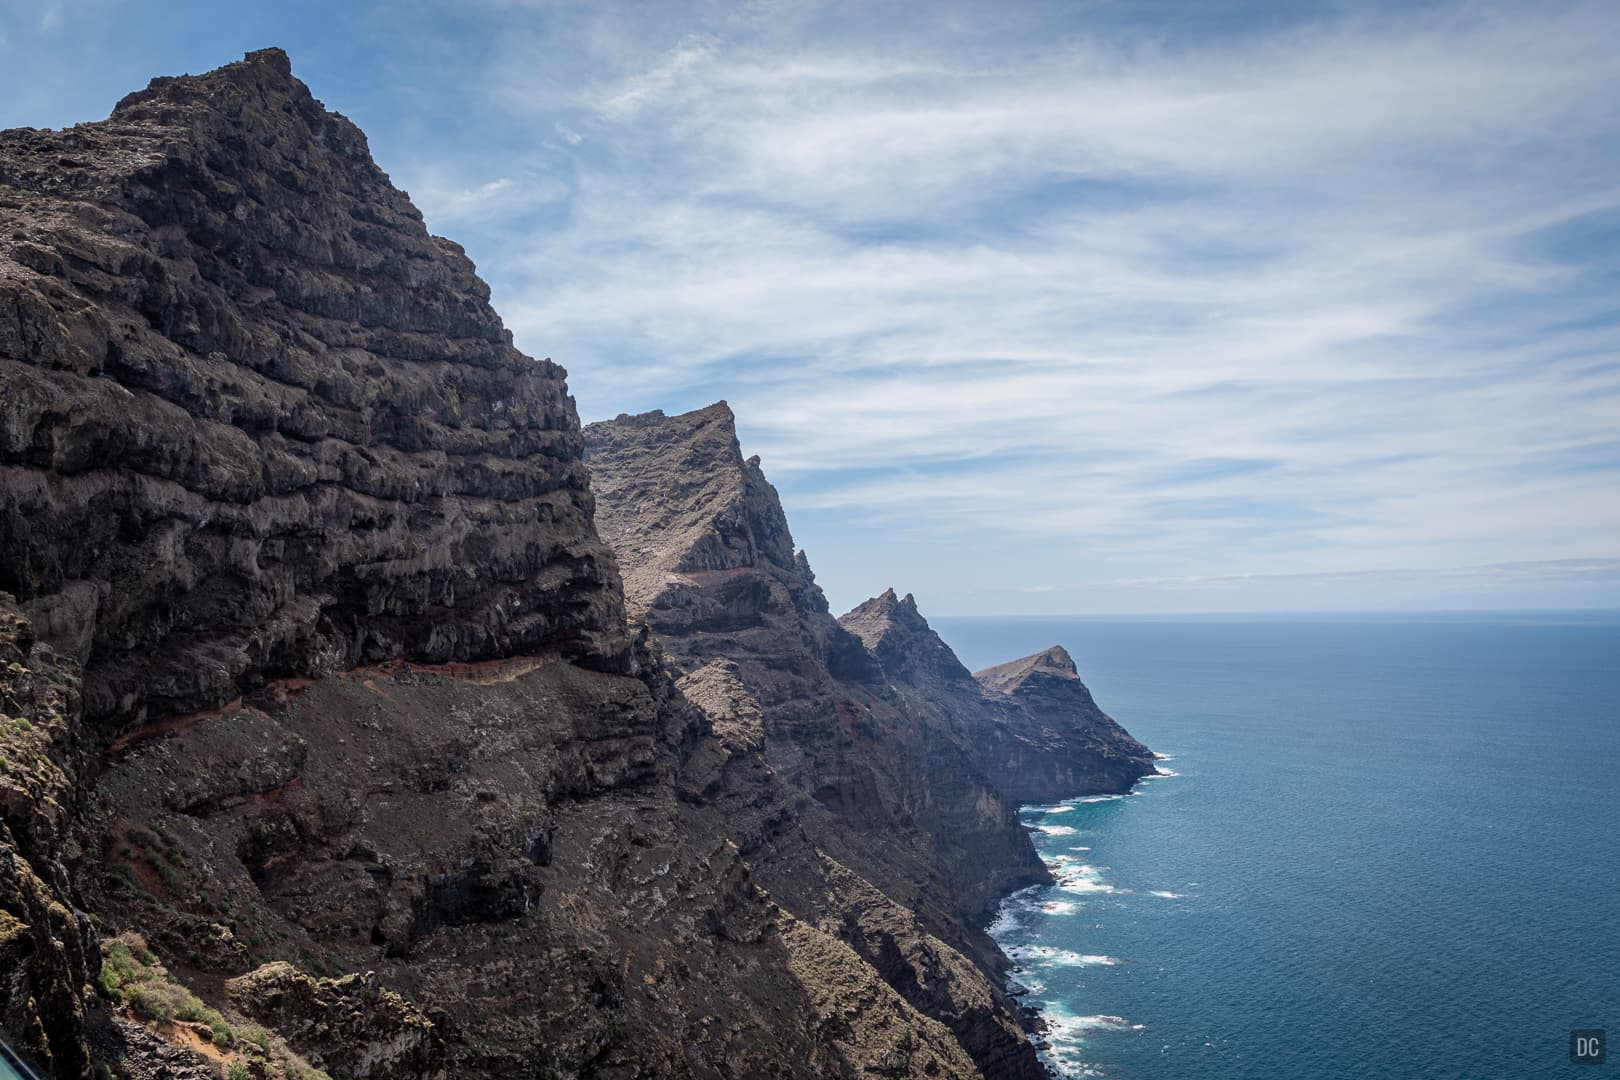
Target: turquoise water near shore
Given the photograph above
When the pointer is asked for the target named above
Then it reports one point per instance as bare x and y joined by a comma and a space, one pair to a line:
1391, 848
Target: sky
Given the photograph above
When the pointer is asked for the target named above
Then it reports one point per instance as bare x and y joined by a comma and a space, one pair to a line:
1093, 306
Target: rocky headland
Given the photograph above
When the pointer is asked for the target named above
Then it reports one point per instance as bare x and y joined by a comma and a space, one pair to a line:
362, 715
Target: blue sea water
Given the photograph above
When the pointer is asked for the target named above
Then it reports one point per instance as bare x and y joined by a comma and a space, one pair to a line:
1391, 848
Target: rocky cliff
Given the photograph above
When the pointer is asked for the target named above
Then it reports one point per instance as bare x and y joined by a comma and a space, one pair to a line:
1052, 741
326, 747
1036, 731
256, 421
367, 771
911, 844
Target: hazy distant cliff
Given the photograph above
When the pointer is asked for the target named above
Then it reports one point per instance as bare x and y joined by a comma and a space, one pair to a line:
320, 698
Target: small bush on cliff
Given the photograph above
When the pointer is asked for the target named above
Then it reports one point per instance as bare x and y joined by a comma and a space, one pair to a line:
131, 974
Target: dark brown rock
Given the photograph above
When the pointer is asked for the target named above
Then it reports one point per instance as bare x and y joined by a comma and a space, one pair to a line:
351, 1026
1036, 731
255, 421
359, 698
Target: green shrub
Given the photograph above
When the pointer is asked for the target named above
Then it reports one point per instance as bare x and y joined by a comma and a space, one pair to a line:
238, 1071
150, 1001
129, 972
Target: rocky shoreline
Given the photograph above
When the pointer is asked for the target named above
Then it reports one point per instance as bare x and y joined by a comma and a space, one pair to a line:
365, 716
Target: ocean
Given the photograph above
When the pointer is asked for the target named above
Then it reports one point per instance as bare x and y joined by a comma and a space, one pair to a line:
1390, 848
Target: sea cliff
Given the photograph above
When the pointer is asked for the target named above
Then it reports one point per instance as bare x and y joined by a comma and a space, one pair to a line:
364, 714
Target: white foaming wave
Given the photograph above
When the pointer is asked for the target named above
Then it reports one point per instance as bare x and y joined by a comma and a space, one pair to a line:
1167, 894
1003, 924
1088, 799
1025, 982
1048, 956
1008, 915
1082, 879
1101, 1022
1164, 757
1161, 774
1057, 830
1059, 907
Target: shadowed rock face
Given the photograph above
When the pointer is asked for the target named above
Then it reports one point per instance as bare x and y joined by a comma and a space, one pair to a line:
319, 677
1054, 741
911, 844
1037, 733
255, 421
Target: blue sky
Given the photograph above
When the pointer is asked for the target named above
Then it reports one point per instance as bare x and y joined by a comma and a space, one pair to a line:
1029, 307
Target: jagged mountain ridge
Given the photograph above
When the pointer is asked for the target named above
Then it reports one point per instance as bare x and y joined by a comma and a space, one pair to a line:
710, 568
911, 841
333, 676
358, 688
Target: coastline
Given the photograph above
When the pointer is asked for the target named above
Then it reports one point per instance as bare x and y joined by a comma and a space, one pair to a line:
1017, 978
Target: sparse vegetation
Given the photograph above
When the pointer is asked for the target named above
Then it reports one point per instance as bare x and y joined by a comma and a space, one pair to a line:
132, 975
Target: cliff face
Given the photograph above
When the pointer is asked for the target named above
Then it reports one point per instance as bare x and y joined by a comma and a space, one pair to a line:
923, 844
1053, 741
255, 421
47, 949
317, 688
365, 749
1036, 732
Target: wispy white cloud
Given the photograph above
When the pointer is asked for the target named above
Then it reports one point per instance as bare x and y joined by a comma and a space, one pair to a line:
1253, 302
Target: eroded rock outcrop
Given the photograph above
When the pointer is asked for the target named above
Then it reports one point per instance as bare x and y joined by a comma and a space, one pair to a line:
1053, 741
256, 421
1037, 733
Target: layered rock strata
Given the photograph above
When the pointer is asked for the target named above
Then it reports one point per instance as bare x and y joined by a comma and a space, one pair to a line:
256, 421
1053, 741
366, 749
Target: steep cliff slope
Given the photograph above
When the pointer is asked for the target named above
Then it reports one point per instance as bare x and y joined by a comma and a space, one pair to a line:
256, 421
1053, 741
922, 843
47, 949
1037, 733
367, 753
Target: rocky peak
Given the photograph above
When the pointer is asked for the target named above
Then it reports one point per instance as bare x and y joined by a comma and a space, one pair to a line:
675, 497
1008, 678
705, 544
256, 421
895, 632
1053, 741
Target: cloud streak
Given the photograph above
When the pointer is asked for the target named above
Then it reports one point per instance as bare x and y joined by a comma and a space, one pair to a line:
960, 282
1043, 294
